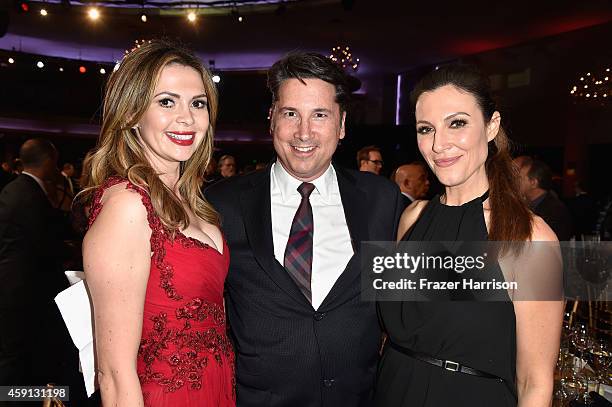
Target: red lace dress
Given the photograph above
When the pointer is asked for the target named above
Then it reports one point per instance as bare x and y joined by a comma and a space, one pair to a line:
185, 357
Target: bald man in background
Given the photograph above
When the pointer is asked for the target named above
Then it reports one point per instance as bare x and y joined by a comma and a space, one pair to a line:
413, 181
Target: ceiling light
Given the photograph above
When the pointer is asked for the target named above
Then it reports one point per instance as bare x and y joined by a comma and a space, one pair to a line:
40, 64
237, 16
93, 13
43, 12
191, 17
61, 69
102, 71
216, 78
11, 61
344, 58
143, 18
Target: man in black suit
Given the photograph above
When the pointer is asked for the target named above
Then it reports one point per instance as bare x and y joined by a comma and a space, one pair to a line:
30, 260
536, 185
303, 335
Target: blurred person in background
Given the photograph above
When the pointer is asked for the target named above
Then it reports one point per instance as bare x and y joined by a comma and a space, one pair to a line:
369, 159
227, 166
6, 174
583, 209
536, 184
412, 180
68, 172
35, 348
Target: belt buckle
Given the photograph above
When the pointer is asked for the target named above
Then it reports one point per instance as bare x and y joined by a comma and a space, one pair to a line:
450, 365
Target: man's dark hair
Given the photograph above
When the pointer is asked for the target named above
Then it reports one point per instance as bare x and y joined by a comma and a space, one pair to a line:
34, 152
541, 172
307, 65
364, 154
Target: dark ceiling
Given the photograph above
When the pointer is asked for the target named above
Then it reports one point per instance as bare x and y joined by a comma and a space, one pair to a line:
388, 36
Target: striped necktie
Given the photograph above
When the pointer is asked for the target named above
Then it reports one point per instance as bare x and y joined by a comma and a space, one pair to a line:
298, 253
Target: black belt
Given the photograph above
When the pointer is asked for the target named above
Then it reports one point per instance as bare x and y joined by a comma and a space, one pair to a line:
445, 364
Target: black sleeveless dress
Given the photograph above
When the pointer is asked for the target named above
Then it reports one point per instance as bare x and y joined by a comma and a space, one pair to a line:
481, 335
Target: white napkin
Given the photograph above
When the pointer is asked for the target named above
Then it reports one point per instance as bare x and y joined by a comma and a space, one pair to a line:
75, 307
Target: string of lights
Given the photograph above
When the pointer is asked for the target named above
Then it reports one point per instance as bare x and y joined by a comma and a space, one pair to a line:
18, 60
40, 63
162, 4
191, 9
95, 13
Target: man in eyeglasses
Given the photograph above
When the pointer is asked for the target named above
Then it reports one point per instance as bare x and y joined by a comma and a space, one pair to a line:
369, 159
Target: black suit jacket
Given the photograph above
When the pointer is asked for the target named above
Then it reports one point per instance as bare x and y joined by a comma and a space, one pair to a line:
30, 242
31, 251
288, 354
406, 201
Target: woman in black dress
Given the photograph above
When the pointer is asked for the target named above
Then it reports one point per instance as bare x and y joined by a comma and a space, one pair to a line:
468, 353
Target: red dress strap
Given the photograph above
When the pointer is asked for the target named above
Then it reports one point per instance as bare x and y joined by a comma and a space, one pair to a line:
96, 205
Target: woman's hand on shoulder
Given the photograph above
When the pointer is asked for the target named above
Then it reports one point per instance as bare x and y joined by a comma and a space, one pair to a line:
409, 217
117, 259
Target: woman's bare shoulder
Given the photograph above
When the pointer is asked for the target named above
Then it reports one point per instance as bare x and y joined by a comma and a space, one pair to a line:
410, 216
541, 231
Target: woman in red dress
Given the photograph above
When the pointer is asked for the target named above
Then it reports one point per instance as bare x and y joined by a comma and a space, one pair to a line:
155, 259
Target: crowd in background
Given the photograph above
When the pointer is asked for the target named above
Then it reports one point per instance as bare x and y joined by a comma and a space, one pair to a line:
575, 216
53, 226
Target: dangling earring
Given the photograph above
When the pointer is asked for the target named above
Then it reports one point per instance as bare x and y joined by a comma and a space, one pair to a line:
136, 129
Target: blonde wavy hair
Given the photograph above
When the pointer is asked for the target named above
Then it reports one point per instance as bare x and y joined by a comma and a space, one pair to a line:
128, 94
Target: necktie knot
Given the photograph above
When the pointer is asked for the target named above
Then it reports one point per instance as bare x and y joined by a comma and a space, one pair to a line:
305, 189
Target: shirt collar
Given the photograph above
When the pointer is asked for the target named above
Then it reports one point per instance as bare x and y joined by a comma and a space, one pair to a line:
407, 195
287, 184
533, 204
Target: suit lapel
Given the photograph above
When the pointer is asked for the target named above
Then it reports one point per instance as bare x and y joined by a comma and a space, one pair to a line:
356, 212
355, 207
256, 206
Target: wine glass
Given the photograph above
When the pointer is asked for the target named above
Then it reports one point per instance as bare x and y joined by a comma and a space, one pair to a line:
602, 359
581, 340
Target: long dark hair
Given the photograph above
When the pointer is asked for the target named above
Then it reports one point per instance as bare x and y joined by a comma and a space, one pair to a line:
511, 219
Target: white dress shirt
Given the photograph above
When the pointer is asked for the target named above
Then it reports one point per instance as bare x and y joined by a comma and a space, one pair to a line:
332, 247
